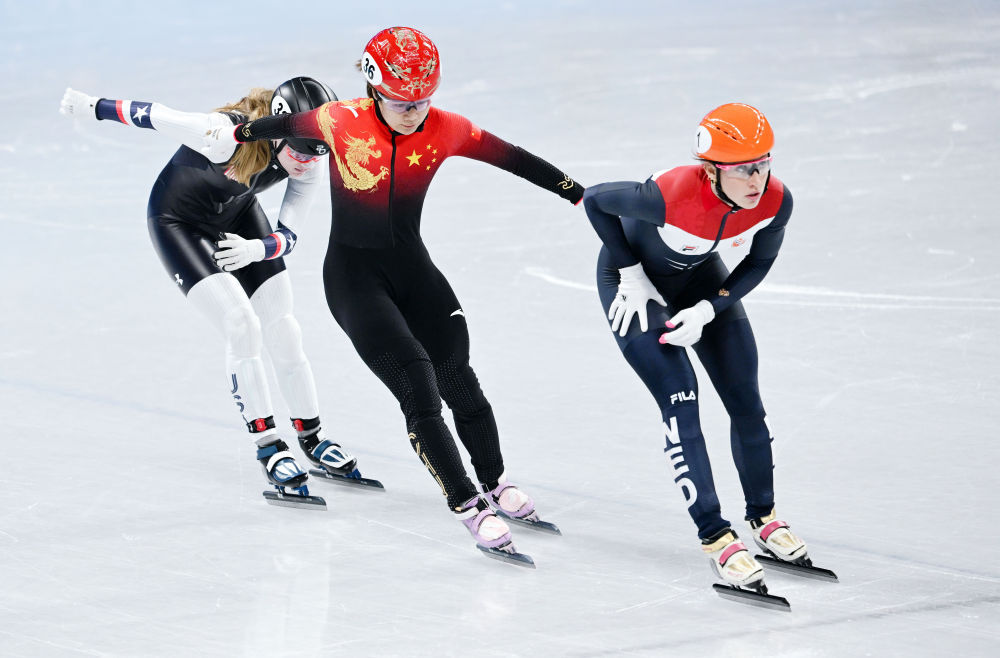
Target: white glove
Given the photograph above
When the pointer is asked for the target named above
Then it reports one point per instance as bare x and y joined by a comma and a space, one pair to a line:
236, 252
217, 143
634, 291
691, 320
78, 104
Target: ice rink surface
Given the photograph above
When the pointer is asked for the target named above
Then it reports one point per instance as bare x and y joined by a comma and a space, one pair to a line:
133, 523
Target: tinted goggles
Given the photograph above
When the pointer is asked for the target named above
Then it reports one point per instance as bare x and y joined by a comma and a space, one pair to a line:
402, 107
304, 158
747, 169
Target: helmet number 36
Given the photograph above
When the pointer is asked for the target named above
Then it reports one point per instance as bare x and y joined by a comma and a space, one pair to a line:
371, 69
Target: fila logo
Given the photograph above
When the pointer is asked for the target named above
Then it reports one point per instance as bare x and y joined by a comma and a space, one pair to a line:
675, 453
683, 397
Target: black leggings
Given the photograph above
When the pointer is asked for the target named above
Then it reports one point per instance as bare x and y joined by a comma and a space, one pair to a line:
409, 328
186, 249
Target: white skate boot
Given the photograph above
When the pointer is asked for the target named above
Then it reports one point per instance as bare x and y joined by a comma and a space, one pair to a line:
775, 538
731, 560
743, 575
783, 550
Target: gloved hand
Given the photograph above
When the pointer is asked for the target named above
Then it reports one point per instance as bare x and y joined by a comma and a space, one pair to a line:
236, 252
218, 143
78, 104
634, 291
691, 320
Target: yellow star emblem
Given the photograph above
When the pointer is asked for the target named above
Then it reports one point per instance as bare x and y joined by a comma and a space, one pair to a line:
414, 158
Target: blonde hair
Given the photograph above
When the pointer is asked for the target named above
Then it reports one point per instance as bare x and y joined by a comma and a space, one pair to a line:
252, 156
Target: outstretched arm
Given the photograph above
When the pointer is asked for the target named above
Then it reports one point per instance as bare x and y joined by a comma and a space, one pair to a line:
278, 126
478, 144
490, 148
196, 130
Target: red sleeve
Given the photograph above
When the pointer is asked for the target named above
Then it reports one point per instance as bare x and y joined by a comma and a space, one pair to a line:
308, 124
469, 140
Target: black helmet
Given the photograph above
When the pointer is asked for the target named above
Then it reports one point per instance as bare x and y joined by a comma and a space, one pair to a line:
302, 94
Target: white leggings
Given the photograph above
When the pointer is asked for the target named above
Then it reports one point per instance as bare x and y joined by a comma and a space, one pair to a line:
248, 324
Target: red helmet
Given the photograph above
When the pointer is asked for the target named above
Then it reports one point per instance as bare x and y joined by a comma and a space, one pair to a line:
401, 63
734, 132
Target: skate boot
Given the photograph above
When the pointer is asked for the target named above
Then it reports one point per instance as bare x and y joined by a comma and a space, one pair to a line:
328, 455
490, 532
281, 471
775, 539
731, 560
743, 575
486, 528
784, 551
508, 499
514, 505
332, 461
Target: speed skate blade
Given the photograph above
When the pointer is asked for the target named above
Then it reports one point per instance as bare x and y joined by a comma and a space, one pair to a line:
519, 559
752, 597
353, 481
816, 573
537, 524
294, 500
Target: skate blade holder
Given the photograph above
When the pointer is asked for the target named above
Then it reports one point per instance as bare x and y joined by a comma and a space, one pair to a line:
354, 480
535, 524
282, 499
759, 598
515, 558
804, 570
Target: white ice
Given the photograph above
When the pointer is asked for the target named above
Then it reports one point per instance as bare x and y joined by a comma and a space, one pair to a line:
133, 522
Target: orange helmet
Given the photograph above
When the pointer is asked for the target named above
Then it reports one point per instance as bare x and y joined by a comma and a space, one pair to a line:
734, 132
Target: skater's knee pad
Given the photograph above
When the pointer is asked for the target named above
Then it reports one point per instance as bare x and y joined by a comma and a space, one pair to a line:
459, 387
283, 337
426, 397
242, 330
407, 372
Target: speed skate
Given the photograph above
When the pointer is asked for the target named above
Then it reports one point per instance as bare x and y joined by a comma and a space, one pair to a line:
297, 498
352, 479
